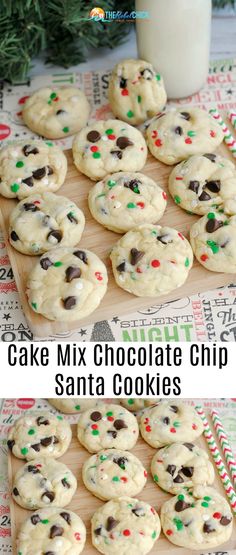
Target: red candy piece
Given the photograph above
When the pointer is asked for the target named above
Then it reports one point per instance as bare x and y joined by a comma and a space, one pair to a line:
56, 99
181, 236
153, 511
148, 428
164, 195
124, 479
158, 142
140, 204
126, 532
139, 270
98, 276
178, 178
217, 515
154, 134
77, 536
38, 466
110, 418
36, 202
94, 148
111, 137
94, 426
194, 426
212, 133
188, 141
155, 263
204, 257
125, 92
146, 420
169, 532
23, 99
19, 113
159, 460
145, 473
173, 430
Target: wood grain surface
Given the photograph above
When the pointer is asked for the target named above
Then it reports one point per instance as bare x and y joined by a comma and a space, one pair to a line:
98, 239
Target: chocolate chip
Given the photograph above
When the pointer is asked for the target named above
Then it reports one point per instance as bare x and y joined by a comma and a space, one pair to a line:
223, 245
186, 524
65, 483
82, 256
10, 444
54, 234
46, 441
28, 181
181, 506
121, 267
174, 408
117, 154
179, 130
185, 115
55, 440
214, 186
178, 479
147, 73
66, 517
36, 447
135, 256
33, 469
93, 136
121, 461
14, 236
49, 495
166, 420
72, 273
171, 468
138, 511
133, 185
123, 83
35, 519
120, 424
225, 520
112, 433
69, 303
39, 174
165, 239
208, 528
204, 196
49, 553
72, 218
123, 142
30, 207
194, 186
213, 225
98, 531
15, 492
49, 170
96, 416
187, 471
111, 523
45, 263
60, 112
56, 530
29, 149
190, 446
41, 421
211, 157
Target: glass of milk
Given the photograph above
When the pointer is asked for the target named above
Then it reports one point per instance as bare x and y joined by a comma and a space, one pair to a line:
176, 40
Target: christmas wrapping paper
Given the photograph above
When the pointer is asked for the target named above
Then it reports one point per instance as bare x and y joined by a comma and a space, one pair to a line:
209, 316
11, 409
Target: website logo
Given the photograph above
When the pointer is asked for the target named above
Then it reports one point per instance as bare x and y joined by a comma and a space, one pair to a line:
97, 14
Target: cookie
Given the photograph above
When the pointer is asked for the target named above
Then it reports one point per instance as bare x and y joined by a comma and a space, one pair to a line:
123, 200
125, 526
31, 167
114, 473
134, 405
170, 422
213, 239
44, 221
56, 113
39, 434
51, 531
179, 133
72, 406
199, 521
151, 260
107, 427
108, 147
203, 182
43, 482
136, 91
181, 465
67, 284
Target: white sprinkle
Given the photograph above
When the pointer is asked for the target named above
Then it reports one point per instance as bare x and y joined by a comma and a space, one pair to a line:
194, 203
104, 138
79, 285
117, 204
205, 517
14, 153
104, 477
58, 543
121, 278
29, 421
45, 181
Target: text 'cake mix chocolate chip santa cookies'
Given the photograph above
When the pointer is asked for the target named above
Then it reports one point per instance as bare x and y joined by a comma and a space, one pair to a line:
125, 526
41, 222
123, 200
136, 91
74, 405
67, 284
107, 147
151, 260
107, 427
170, 422
180, 133
43, 482
114, 473
197, 520
203, 182
41, 434
32, 167
213, 239
56, 113
52, 531
181, 465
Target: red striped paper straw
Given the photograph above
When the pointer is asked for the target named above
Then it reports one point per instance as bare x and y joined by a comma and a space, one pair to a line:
232, 117
228, 137
224, 442
217, 459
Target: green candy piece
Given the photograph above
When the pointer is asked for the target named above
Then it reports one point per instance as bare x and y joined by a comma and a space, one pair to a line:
154, 232
19, 164
101, 195
59, 417
77, 407
49, 143
130, 114
181, 497
111, 183
45, 521
24, 451
155, 478
133, 276
204, 504
226, 222
35, 306
177, 199
191, 133
130, 505
15, 187
95, 432
66, 129
211, 216
53, 95
154, 535
176, 424
49, 102
109, 413
115, 479
96, 155
103, 457
178, 523
31, 432
131, 205
213, 246
139, 98
130, 401
57, 264
206, 498
109, 131
158, 77
187, 263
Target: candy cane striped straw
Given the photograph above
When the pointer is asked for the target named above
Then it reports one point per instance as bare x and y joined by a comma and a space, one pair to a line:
218, 460
229, 457
232, 118
228, 137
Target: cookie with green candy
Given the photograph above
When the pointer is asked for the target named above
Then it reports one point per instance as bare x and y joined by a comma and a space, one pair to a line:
213, 240
72, 405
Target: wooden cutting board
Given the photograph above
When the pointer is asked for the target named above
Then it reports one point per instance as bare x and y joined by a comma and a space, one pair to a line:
98, 239
85, 504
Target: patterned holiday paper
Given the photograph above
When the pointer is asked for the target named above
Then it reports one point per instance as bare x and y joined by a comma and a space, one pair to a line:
208, 316
11, 409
